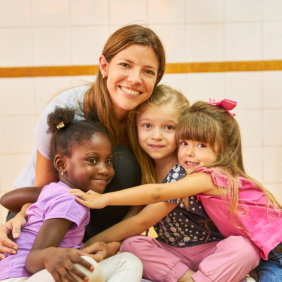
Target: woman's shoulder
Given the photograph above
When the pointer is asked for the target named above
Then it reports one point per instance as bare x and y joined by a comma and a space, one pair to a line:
71, 97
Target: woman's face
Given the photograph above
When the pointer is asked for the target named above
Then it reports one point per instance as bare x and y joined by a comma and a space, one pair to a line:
131, 76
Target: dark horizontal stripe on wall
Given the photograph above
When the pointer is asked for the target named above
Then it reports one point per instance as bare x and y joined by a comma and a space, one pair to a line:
170, 68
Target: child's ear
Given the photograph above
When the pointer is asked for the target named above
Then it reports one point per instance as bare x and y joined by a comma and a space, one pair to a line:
60, 163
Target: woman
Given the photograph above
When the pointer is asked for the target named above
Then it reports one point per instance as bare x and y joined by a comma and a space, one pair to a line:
131, 64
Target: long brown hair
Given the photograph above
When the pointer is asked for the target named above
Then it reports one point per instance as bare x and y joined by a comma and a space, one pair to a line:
161, 95
210, 124
97, 97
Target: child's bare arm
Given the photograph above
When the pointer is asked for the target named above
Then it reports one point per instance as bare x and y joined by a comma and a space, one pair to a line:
14, 200
134, 225
150, 193
45, 254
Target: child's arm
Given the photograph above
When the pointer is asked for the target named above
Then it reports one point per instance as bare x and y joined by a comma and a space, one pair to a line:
15, 199
44, 255
150, 193
134, 225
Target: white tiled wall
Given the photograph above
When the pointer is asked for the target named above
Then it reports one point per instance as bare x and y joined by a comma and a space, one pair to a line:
72, 32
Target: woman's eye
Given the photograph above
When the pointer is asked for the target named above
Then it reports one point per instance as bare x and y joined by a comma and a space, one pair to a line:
150, 72
125, 65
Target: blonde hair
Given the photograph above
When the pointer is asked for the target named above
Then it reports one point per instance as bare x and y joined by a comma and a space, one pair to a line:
214, 125
162, 94
97, 97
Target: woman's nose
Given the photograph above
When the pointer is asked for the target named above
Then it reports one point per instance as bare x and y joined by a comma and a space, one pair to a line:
134, 76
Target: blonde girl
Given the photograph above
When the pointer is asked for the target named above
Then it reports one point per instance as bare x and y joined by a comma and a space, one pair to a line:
210, 152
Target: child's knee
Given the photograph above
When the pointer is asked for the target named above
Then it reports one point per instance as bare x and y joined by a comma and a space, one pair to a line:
130, 244
245, 250
97, 275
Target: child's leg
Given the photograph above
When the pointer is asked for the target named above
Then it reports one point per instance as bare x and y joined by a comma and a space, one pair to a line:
159, 263
122, 267
232, 259
271, 270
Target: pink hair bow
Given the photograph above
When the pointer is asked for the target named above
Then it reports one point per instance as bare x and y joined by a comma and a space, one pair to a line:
226, 104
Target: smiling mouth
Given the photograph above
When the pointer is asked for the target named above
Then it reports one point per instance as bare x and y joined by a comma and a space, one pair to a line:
130, 91
156, 146
193, 164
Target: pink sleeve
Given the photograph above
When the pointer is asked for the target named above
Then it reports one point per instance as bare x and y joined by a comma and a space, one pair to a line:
218, 176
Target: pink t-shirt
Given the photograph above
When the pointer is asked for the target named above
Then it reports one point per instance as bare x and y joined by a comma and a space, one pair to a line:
254, 220
53, 202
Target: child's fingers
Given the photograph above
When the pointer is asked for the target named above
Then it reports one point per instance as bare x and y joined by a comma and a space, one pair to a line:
83, 202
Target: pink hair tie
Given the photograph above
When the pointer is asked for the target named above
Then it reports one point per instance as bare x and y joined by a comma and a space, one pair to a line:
226, 104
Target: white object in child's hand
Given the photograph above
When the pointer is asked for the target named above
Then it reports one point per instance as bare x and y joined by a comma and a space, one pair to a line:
97, 275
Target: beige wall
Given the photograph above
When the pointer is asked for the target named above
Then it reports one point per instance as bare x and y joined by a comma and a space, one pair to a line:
72, 32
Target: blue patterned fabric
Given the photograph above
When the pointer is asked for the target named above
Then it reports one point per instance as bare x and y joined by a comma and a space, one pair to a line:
186, 226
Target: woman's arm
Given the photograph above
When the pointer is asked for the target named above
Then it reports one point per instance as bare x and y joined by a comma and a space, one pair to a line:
44, 171
150, 193
134, 225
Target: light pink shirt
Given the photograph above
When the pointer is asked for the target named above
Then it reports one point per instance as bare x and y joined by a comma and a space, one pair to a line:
262, 225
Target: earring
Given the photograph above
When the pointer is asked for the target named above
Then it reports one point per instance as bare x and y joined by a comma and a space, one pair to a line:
62, 173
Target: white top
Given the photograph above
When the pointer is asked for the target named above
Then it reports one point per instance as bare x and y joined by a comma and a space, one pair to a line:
72, 98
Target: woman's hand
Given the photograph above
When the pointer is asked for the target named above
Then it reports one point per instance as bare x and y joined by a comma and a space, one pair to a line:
60, 263
89, 199
11, 228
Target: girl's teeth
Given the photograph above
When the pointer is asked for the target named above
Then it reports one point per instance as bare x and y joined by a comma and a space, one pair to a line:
130, 91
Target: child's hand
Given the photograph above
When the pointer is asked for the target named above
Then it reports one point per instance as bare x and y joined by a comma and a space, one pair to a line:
60, 263
98, 251
89, 199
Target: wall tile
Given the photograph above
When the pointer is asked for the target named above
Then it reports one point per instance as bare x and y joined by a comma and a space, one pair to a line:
272, 43
48, 87
172, 11
243, 10
9, 176
173, 37
272, 10
87, 44
243, 41
272, 135
205, 42
89, 12
16, 96
50, 12
21, 14
205, 86
16, 134
272, 85
272, 157
176, 81
252, 157
245, 88
275, 189
250, 125
16, 47
202, 11
124, 12
3, 214
52, 46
